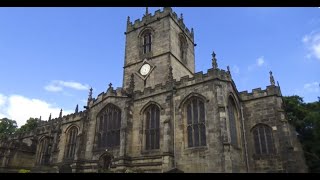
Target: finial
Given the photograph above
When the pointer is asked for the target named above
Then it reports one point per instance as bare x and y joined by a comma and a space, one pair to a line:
131, 84
110, 85
214, 61
278, 84
213, 54
181, 16
77, 109
271, 79
128, 19
228, 68
50, 117
147, 11
192, 31
40, 118
60, 115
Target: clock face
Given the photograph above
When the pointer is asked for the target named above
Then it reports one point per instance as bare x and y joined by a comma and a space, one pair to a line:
145, 69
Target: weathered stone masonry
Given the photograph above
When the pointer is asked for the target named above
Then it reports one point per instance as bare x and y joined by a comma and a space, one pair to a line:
170, 119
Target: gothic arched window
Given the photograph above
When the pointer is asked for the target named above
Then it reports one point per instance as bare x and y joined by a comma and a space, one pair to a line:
233, 121
71, 142
196, 127
263, 140
146, 42
152, 131
109, 122
183, 49
43, 152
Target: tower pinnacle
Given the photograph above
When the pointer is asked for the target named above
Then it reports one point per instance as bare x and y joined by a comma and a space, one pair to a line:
77, 109
90, 94
272, 82
214, 61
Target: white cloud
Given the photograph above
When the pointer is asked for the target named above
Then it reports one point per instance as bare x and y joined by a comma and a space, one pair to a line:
53, 88
21, 108
312, 43
313, 87
58, 85
235, 69
2, 99
74, 85
305, 39
259, 63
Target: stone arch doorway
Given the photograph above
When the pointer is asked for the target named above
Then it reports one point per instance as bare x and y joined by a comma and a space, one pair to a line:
105, 162
65, 168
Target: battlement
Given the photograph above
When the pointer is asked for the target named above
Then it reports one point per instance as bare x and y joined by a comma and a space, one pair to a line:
119, 92
184, 81
22, 135
258, 93
73, 116
65, 118
149, 18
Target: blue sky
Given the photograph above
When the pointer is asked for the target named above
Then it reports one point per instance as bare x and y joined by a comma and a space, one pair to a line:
49, 57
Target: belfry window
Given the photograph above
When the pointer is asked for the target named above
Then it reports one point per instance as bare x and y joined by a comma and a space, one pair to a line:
147, 43
109, 122
71, 143
263, 140
152, 131
183, 49
196, 127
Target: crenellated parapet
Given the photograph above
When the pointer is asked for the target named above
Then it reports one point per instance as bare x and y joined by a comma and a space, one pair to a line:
73, 117
185, 81
149, 18
46, 126
22, 135
118, 93
256, 93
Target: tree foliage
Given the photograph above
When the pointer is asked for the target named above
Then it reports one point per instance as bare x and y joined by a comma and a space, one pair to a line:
7, 127
30, 125
306, 119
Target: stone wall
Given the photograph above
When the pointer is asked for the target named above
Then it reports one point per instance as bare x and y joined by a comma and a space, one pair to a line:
266, 107
214, 88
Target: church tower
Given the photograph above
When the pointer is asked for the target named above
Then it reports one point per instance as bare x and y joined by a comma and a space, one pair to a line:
155, 43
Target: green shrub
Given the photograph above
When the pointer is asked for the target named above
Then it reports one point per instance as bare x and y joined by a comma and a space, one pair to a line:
24, 171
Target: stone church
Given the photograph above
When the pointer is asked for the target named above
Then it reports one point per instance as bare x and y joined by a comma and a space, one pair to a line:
165, 118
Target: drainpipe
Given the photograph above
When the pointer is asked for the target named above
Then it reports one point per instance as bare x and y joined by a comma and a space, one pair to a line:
174, 129
244, 138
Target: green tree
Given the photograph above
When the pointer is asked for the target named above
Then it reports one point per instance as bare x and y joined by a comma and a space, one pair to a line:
30, 125
7, 127
306, 119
